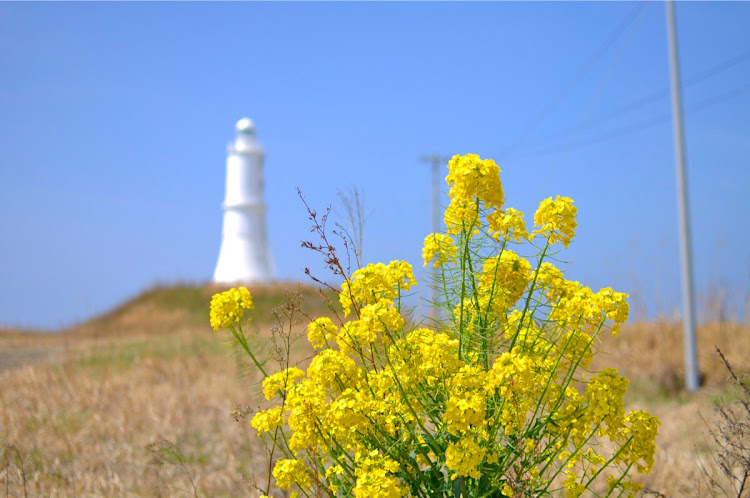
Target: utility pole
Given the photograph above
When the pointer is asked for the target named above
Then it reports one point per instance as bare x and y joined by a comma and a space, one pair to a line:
435, 160
686, 264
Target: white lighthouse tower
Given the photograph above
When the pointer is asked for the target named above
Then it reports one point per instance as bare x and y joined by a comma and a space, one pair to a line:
244, 255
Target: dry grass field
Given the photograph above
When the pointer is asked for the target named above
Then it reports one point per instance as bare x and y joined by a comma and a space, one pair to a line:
139, 402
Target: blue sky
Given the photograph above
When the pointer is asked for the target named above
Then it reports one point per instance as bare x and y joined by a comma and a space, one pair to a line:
114, 118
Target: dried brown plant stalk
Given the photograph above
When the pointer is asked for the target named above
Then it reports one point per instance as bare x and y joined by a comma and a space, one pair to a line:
731, 435
167, 452
13, 457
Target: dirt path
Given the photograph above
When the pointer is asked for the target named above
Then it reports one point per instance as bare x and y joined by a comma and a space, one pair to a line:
18, 356
20, 349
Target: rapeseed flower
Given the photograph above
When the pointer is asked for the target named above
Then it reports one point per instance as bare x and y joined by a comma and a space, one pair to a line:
507, 224
497, 392
463, 458
556, 220
228, 308
441, 248
290, 471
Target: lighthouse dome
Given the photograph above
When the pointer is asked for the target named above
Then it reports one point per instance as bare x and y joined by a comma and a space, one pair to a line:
245, 126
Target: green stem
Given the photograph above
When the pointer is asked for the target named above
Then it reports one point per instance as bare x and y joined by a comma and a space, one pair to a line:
531, 290
240, 338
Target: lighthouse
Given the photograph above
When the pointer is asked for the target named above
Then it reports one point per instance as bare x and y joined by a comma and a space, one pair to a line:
244, 254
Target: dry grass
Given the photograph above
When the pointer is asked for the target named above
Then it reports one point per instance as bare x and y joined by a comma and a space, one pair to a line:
79, 409
78, 412
82, 428
651, 356
653, 353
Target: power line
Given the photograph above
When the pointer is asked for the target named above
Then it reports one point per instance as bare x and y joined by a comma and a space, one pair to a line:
641, 124
576, 78
599, 90
648, 99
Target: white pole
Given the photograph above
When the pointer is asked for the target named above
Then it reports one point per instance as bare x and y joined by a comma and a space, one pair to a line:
435, 160
688, 314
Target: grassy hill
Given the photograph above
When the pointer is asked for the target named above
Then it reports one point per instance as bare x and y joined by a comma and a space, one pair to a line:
172, 308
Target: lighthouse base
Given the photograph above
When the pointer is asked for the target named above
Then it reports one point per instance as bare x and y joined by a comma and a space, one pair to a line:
242, 261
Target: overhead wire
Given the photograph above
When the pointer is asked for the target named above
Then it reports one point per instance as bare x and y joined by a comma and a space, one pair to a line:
595, 96
704, 104
646, 100
547, 109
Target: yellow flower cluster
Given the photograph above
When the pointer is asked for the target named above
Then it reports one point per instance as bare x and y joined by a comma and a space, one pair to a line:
280, 382
228, 308
334, 370
605, 394
289, 472
465, 408
506, 278
576, 304
463, 458
266, 421
372, 283
442, 246
507, 224
321, 331
642, 429
556, 219
474, 184
426, 357
375, 477
496, 400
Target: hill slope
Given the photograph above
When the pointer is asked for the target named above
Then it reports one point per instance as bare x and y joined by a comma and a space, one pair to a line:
167, 309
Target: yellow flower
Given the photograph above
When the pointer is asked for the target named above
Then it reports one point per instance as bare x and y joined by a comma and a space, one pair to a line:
375, 477
464, 412
383, 408
334, 370
439, 245
289, 472
355, 335
381, 316
614, 306
506, 278
556, 220
320, 332
514, 377
426, 356
306, 402
642, 429
280, 381
507, 490
473, 182
229, 307
372, 283
573, 488
507, 224
605, 393
266, 421
552, 281
463, 458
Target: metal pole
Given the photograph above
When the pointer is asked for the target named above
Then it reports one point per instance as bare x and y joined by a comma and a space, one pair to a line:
435, 160
686, 264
